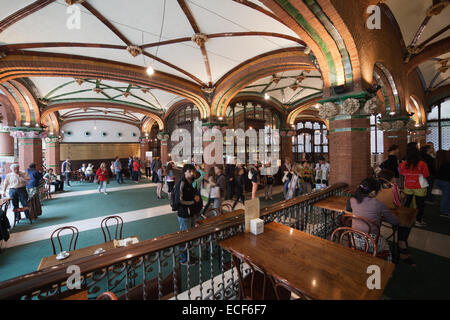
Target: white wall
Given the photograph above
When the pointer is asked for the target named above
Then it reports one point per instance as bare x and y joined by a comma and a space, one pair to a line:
110, 127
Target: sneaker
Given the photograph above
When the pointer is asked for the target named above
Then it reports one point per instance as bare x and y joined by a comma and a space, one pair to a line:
445, 215
105, 193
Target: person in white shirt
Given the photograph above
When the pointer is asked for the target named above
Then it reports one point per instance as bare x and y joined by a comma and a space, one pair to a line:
16, 181
322, 171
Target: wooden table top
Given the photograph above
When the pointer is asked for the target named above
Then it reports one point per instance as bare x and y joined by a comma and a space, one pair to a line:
51, 261
223, 216
333, 203
318, 267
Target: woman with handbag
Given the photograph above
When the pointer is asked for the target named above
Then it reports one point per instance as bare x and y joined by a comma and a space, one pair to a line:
170, 179
212, 188
390, 195
415, 172
102, 176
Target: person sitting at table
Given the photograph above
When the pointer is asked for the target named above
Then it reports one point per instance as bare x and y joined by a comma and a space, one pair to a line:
16, 182
35, 178
364, 205
52, 179
390, 196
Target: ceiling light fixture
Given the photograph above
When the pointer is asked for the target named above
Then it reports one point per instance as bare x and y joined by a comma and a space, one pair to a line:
266, 96
150, 71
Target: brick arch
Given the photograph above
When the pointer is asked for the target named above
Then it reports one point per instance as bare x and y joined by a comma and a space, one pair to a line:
256, 68
418, 105
32, 104
7, 111
320, 26
290, 120
52, 123
386, 90
176, 106
389, 81
74, 105
13, 103
27, 64
258, 98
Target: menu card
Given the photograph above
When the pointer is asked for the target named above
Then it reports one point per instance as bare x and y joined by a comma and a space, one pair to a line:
251, 212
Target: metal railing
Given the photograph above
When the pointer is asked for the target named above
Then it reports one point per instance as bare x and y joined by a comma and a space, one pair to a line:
151, 269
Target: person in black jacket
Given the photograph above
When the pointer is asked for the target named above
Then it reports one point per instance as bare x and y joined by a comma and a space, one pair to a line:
391, 163
189, 205
443, 180
239, 186
425, 152
229, 175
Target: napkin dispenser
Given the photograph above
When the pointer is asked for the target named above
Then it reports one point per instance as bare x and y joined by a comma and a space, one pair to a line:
256, 226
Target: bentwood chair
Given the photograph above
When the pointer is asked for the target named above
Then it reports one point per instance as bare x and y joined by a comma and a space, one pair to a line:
226, 207
372, 227
355, 239
73, 238
255, 286
118, 221
108, 295
285, 291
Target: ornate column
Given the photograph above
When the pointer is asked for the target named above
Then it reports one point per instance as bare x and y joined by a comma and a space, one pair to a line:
144, 147
52, 153
396, 128
349, 135
6, 142
286, 144
164, 138
30, 146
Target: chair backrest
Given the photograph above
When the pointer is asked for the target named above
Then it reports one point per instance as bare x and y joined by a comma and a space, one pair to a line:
373, 228
226, 207
108, 295
117, 231
237, 259
73, 238
283, 289
355, 239
212, 212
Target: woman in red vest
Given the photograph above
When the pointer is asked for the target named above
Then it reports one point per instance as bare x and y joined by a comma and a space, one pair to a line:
102, 176
415, 172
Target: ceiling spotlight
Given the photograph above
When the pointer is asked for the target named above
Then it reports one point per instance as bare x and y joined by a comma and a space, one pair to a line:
26, 123
266, 96
220, 118
392, 113
307, 50
150, 70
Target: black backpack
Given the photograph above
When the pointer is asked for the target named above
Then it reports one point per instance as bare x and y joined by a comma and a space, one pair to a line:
175, 197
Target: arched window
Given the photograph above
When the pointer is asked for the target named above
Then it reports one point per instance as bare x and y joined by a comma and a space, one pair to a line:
310, 142
438, 125
376, 136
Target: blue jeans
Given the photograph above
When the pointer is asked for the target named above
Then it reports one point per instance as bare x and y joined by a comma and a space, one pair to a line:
445, 201
185, 224
67, 177
102, 186
19, 195
119, 177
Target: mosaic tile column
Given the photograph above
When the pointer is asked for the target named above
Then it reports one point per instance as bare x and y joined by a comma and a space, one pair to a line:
52, 154
30, 147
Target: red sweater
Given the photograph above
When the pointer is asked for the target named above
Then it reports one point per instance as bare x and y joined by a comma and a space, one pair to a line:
136, 166
412, 174
102, 175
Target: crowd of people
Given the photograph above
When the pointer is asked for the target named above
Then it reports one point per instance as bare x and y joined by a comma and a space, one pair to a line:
399, 185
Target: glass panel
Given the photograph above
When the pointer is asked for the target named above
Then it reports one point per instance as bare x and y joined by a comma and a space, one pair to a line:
445, 138
317, 137
380, 142
433, 115
316, 125
300, 125
445, 109
324, 137
372, 140
308, 125
433, 136
372, 120
301, 147
308, 143
325, 149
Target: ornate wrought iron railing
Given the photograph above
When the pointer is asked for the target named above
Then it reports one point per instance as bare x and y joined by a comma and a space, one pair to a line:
151, 268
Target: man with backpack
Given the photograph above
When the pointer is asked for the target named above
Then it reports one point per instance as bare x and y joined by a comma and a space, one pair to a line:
187, 201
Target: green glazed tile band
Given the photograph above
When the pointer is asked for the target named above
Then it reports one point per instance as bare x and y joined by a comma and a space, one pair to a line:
28, 138
6, 155
349, 129
348, 117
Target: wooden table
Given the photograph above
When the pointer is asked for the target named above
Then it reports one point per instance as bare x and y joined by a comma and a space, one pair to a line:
333, 203
320, 268
223, 216
76, 254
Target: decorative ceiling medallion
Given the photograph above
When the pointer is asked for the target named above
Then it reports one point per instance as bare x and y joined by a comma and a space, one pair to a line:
294, 86
97, 90
145, 90
72, 2
126, 94
199, 38
444, 67
275, 79
79, 81
437, 7
134, 50
2, 54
